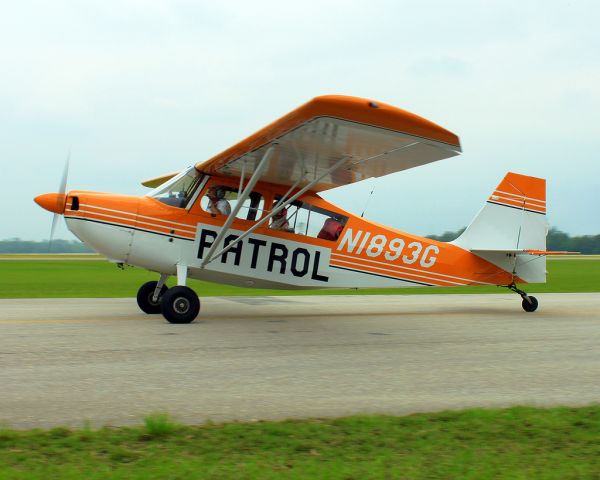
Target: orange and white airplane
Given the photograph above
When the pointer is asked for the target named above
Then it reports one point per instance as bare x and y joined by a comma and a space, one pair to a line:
252, 215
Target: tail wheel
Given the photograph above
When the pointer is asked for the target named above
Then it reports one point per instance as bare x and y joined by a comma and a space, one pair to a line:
144, 297
529, 303
180, 305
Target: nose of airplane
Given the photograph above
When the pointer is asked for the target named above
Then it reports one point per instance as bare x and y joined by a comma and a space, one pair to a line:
53, 202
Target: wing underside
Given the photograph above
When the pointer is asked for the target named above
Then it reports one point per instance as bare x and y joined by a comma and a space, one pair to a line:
374, 140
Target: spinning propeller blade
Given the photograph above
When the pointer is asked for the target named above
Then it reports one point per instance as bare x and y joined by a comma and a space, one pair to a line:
60, 199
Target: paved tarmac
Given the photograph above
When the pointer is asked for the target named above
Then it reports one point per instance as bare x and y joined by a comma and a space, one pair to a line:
67, 361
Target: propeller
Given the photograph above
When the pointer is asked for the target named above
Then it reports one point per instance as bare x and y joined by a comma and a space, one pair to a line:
60, 199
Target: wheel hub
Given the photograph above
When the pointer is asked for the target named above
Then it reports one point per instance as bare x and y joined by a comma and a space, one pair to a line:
181, 305
151, 301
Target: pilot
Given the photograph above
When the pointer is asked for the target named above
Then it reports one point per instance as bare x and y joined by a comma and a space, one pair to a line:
217, 204
280, 221
331, 229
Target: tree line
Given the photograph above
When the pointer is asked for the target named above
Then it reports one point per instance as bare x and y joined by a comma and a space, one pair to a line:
16, 245
556, 241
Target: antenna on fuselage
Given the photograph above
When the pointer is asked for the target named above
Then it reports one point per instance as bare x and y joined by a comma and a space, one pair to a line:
369, 197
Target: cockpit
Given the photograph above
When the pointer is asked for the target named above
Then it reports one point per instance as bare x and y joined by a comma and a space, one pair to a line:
179, 190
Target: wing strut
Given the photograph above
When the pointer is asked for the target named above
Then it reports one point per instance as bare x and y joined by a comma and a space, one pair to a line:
275, 210
243, 174
240, 201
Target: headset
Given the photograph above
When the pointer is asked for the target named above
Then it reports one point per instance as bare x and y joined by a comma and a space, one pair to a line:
219, 192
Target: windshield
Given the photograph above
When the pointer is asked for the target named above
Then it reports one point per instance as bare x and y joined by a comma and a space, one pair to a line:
178, 191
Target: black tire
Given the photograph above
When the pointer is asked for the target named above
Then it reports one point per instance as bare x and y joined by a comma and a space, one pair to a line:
531, 305
144, 298
180, 305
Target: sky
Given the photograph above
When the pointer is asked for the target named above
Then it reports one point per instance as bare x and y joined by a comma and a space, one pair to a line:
135, 89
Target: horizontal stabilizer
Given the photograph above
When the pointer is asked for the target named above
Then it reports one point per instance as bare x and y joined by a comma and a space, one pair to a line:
522, 252
543, 252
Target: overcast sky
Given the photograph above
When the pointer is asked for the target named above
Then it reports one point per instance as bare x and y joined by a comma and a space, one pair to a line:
136, 89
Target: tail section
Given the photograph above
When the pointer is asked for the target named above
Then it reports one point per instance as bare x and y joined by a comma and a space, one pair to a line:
510, 226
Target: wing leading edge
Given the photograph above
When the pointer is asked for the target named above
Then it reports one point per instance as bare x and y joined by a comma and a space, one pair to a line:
375, 139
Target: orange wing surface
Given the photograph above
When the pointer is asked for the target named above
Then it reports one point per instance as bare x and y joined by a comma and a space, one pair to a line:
375, 138
156, 181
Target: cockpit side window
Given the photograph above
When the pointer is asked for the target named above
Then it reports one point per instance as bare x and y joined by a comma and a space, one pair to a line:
225, 198
180, 190
306, 219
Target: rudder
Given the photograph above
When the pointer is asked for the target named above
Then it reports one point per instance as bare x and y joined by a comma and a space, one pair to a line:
512, 221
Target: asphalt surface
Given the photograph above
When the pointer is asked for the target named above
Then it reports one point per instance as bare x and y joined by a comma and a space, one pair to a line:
67, 361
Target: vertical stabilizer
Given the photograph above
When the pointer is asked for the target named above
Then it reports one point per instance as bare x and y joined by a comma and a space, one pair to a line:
512, 220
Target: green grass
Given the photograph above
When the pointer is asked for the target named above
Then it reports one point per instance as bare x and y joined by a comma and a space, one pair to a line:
519, 443
159, 424
74, 278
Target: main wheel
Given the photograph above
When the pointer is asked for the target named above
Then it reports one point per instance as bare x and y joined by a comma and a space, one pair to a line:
180, 305
530, 305
144, 297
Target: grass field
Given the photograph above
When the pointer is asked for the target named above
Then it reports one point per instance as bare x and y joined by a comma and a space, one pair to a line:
88, 278
520, 443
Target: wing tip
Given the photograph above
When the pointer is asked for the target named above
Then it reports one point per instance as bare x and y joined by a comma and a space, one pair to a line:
390, 114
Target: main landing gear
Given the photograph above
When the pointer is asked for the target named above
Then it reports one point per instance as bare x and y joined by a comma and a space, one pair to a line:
145, 297
529, 302
178, 304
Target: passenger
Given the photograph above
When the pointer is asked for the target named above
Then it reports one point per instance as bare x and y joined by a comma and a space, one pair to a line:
280, 221
331, 229
217, 204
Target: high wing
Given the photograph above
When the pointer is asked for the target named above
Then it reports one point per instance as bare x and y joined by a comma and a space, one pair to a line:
157, 181
363, 137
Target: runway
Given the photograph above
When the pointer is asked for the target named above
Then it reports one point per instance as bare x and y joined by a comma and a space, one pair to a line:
67, 361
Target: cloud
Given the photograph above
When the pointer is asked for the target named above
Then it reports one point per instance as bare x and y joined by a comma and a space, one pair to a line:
138, 88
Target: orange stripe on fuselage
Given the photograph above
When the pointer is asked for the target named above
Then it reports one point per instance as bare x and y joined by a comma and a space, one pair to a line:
122, 211
390, 271
430, 276
453, 265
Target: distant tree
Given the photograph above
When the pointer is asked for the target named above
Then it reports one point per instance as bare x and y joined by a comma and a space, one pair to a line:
16, 245
447, 236
555, 241
560, 241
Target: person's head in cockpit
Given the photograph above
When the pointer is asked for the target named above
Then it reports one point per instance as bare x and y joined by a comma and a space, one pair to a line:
217, 204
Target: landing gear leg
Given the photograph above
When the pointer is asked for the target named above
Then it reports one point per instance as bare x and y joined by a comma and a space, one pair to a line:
150, 293
529, 302
180, 304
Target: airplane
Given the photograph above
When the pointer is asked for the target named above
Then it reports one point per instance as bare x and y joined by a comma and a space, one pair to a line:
252, 216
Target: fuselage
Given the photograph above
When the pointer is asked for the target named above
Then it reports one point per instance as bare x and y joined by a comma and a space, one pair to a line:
157, 234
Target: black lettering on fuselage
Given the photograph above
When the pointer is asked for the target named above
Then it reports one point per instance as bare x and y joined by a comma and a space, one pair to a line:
257, 244
236, 250
300, 252
315, 271
205, 242
301, 260
277, 257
